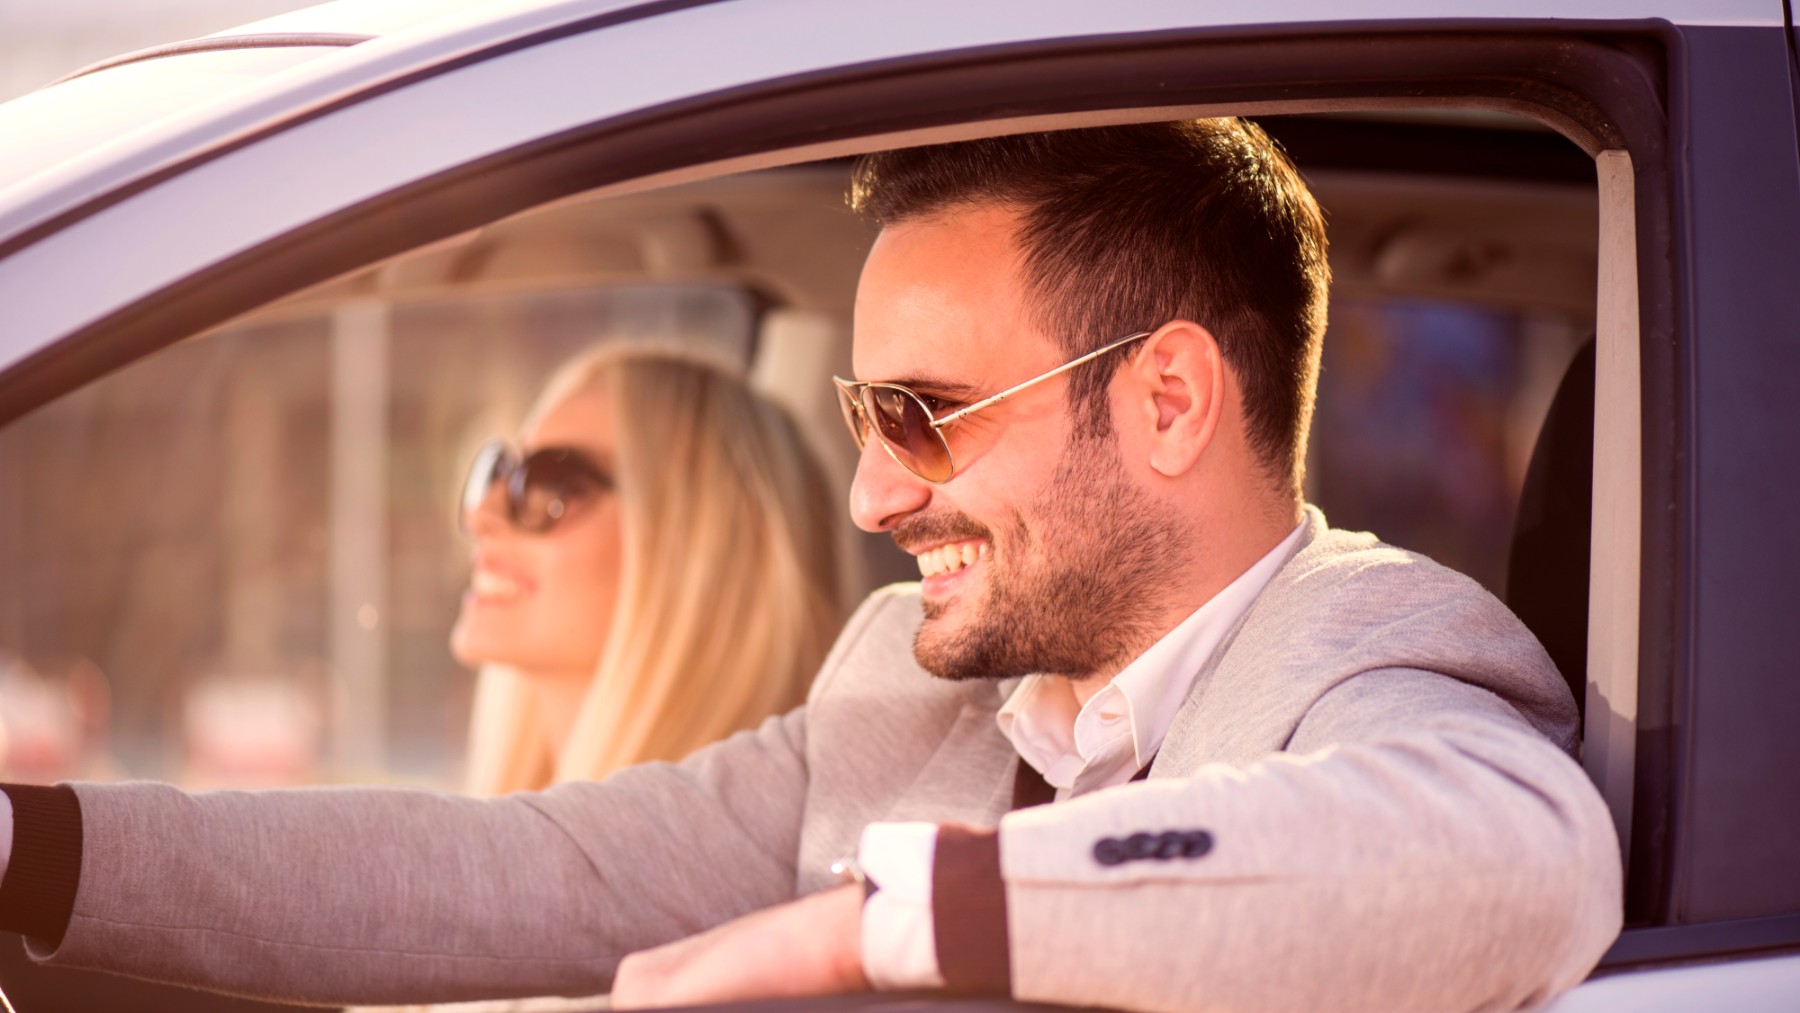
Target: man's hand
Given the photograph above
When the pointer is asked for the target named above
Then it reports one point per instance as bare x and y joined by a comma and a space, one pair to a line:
812, 946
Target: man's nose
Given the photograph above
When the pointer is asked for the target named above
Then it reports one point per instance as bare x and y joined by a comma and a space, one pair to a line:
883, 493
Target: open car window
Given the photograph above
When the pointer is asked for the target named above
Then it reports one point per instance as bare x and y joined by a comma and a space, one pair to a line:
274, 606
1501, 213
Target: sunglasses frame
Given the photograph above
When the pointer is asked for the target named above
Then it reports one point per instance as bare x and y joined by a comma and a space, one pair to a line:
496, 453
850, 399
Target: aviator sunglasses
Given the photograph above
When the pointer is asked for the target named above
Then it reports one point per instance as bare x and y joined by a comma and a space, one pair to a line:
904, 423
540, 486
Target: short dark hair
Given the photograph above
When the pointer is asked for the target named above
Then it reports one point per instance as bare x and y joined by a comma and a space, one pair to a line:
1125, 228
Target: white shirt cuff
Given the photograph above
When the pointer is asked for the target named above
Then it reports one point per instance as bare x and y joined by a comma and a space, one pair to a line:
899, 943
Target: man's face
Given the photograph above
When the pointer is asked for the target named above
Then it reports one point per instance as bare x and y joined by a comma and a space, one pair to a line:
1041, 554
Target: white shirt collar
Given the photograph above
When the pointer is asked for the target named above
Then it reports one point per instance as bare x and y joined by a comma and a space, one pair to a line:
1082, 748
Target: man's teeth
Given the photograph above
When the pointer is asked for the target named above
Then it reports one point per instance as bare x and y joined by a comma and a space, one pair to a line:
487, 584
951, 558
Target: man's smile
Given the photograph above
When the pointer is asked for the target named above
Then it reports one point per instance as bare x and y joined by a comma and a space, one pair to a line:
949, 547
952, 557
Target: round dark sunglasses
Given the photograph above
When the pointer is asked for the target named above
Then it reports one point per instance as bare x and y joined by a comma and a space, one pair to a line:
540, 486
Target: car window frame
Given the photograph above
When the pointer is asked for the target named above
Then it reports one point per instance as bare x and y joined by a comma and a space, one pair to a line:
1604, 88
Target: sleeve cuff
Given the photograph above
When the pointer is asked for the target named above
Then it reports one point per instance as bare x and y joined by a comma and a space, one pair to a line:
37, 895
969, 910
898, 949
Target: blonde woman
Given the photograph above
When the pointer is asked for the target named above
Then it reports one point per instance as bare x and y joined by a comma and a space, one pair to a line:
654, 568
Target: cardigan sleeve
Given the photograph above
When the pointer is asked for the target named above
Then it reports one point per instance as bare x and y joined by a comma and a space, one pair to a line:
381, 895
43, 865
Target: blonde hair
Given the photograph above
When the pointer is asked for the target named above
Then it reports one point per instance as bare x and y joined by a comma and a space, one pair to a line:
729, 592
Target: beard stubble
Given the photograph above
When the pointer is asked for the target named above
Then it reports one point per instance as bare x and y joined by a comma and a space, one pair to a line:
1076, 580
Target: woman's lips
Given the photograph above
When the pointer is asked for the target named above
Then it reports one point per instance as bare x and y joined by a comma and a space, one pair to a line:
497, 585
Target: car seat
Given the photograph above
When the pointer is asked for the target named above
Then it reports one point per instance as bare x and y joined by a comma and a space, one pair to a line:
1547, 572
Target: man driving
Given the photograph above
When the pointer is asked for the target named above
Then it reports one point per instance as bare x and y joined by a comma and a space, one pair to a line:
1148, 733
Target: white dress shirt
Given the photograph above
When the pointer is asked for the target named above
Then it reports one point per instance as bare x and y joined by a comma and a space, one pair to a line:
1077, 747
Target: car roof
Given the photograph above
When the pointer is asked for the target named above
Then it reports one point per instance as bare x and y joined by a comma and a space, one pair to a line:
127, 117
166, 119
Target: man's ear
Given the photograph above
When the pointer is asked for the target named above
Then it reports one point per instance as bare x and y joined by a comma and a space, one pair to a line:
1180, 386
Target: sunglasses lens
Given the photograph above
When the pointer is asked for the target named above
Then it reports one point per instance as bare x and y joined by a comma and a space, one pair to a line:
853, 417
491, 462
904, 424
540, 490
548, 484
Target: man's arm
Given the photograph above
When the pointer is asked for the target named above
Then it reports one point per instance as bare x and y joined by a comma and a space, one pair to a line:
1420, 847
804, 948
372, 895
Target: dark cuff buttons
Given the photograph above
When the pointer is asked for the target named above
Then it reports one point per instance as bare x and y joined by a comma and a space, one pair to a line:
1161, 847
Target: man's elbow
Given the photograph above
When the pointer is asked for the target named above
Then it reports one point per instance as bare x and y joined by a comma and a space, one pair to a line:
1574, 903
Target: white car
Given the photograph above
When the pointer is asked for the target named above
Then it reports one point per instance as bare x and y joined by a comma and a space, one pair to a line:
353, 189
